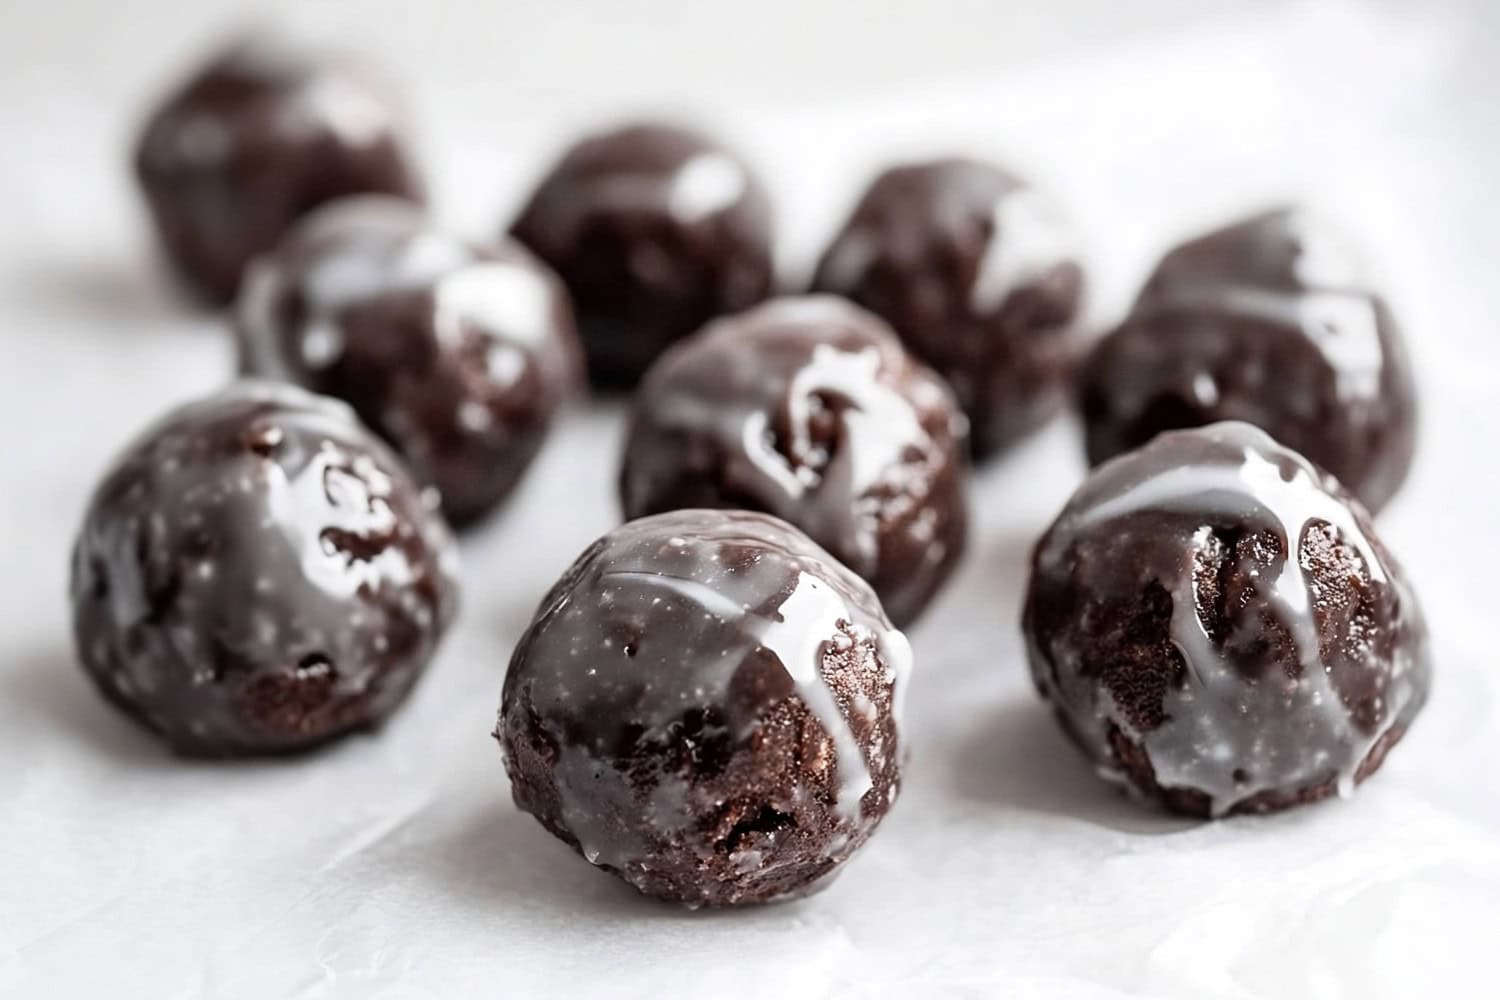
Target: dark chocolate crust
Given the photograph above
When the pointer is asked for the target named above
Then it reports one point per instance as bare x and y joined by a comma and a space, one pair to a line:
708, 706
655, 230
1269, 321
1215, 622
809, 408
979, 276
460, 355
260, 135
258, 574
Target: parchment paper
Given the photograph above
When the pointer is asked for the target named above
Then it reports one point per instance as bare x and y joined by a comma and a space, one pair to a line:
394, 865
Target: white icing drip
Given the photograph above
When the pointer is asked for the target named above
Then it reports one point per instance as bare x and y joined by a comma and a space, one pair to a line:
1325, 259
354, 114
1344, 326
1028, 239
756, 435
804, 616
878, 424
496, 297
895, 649
692, 191
705, 184
886, 419
372, 245
1215, 748
1346, 329
646, 651
1255, 489
592, 818
1288, 268
371, 254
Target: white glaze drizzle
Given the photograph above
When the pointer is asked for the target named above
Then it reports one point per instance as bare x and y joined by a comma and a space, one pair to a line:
1254, 490
797, 639
306, 91
497, 297
1325, 257
1319, 287
705, 184
879, 423
1199, 744
702, 185
369, 245
1028, 239
1344, 326
344, 107
680, 670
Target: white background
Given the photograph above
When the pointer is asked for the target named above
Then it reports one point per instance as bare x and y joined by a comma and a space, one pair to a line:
395, 865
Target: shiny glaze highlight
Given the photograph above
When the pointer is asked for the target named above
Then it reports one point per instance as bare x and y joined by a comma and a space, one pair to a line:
655, 230
264, 132
978, 273
1270, 321
708, 705
257, 574
460, 355
809, 408
1215, 621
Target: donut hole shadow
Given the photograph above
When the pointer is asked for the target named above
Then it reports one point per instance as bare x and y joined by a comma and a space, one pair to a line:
1019, 758
49, 693
502, 855
48, 689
